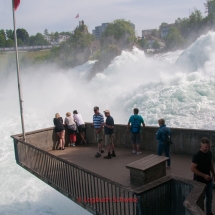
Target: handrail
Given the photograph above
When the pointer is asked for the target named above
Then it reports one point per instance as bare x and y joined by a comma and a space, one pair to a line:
84, 186
95, 193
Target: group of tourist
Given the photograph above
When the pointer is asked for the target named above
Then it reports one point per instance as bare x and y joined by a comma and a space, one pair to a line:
105, 129
201, 165
74, 124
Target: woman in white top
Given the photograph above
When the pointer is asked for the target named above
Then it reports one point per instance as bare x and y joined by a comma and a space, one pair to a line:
81, 125
71, 125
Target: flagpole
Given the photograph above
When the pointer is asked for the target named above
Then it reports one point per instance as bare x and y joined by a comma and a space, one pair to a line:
18, 75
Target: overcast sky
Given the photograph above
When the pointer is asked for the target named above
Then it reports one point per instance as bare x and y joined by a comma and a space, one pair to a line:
59, 15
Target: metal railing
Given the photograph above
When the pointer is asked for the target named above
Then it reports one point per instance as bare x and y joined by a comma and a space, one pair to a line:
170, 195
95, 193
166, 199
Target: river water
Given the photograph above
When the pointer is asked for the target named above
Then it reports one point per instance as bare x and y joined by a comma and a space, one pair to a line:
178, 86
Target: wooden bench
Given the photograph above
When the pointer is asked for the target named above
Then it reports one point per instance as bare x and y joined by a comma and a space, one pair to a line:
147, 169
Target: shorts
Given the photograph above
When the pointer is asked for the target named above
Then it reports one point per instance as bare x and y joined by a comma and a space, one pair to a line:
108, 139
81, 128
135, 138
99, 136
58, 129
71, 131
72, 137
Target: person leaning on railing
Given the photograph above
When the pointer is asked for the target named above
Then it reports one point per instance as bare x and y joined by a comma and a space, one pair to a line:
71, 125
59, 129
81, 125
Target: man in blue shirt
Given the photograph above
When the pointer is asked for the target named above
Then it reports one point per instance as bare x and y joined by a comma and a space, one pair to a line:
109, 132
161, 134
98, 124
135, 121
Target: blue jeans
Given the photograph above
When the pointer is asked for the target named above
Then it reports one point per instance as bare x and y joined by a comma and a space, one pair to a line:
209, 197
164, 147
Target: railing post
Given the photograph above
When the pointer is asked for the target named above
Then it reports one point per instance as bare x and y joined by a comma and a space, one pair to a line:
138, 206
15, 143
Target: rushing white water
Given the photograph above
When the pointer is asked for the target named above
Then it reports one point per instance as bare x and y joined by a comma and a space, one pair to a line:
183, 93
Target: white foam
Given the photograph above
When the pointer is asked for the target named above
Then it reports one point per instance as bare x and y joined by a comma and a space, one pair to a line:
184, 97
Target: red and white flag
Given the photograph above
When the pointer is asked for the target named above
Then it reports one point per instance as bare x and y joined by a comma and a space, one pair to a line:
16, 4
77, 16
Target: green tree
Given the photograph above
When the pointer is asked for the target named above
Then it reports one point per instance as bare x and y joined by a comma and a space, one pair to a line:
74, 51
174, 39
37, 40
119, 29
3, 33
81, 38
22, 34
10, 34
191, 28
195, 20
46, 33
209, 6
66, 33
156, 45
143, 43
9, 43
163, 24
2, 41
56, 36
20, 42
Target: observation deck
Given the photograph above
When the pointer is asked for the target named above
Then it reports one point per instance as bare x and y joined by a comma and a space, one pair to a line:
102, 186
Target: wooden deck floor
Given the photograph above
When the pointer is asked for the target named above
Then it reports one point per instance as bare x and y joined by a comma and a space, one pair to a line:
114, 168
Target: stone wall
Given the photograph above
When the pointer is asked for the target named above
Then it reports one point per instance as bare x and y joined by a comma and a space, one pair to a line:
186, 141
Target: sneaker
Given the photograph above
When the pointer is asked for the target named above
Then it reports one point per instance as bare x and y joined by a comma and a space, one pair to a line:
72, 144
133, 151
107, 157
102, 151
113, 155
98, 155
168, 167
138, 153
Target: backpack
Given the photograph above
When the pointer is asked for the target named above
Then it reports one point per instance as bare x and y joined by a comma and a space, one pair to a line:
72, 127
167, 137
135, 125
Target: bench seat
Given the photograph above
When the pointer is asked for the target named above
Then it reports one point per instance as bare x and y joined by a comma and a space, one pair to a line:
147, 169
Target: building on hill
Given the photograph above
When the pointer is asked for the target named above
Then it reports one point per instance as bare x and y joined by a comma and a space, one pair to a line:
147, 32
56, 41
48, 38
62, 38
99, 30
164, 29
